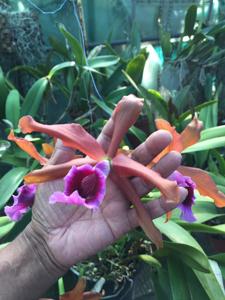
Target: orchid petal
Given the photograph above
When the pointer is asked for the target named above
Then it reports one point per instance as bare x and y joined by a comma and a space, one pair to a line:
186, 206
52, 172
104, 167
204, 184
28, 147
175, 144
126, 167
191, 134
22, 202
48, 149
144, 218
84, 185
72, 135
124, 116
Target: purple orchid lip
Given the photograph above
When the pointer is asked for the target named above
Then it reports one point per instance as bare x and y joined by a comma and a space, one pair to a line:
186, 205
22, 202
85, 185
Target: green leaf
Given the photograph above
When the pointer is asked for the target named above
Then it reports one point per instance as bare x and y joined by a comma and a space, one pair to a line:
206, 145
210, 285
127, 76
135, 67
214, 132
3, 94
165, 42
59, 47
117, 94
156, 100
12, 108
34, 97
209, 115
192, 257
103, 106
220, 257
178, 284
103, 61
150, 260
9, 183
196, 227
184, 115
196, 289
190, 20
176, 233
4, 221
18, 228
140, 134
74, 44
182, 98
6, 229
60, 67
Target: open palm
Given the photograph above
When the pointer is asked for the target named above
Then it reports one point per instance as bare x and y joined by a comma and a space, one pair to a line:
73, 233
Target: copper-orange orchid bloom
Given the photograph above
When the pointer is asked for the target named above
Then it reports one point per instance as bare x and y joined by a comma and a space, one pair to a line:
78, 293
191, 135
122, 167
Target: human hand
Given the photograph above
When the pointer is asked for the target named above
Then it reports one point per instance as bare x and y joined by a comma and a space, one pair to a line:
73, 233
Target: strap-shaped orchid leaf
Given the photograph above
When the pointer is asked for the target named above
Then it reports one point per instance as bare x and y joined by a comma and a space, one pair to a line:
72, 135
144, 218
126, 167
28, 147
124, 115
204, 184
52, 172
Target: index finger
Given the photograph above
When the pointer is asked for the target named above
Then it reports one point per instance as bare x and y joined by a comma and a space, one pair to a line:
61, 154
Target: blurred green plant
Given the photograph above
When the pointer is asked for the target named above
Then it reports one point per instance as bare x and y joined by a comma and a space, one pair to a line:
192, 81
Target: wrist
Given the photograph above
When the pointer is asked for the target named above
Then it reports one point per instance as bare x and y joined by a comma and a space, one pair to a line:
27, 268
38, 242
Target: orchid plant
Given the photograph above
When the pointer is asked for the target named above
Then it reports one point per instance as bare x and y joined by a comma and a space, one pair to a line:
85, 177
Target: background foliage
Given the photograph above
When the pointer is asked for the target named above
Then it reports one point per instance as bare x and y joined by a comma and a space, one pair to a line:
74, 85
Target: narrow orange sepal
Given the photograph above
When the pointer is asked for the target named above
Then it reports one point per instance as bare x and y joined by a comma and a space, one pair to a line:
204, 184
28, 147
189, 136
52, 172
48, 149
78, 293
144, 218
72, 135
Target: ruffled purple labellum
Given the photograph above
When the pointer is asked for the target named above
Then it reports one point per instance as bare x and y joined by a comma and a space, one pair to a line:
85, 185
186, 205
22, 202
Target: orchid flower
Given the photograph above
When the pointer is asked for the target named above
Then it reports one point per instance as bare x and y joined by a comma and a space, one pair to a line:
78, 293
186, 205
189, 136
22, 202
84, 185
85, 182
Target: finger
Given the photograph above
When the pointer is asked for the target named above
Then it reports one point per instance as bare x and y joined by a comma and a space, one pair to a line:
157, 208
154, 144
105, 136
166, 166
61, 154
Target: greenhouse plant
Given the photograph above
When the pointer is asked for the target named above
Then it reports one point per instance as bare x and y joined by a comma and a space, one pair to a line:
118, 149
